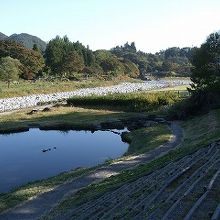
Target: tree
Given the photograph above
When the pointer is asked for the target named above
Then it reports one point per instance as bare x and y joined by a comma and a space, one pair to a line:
36, 48
64, 56
54, 54
32, 61
72, 63
110, 64
206, 75
9, 69
206, 65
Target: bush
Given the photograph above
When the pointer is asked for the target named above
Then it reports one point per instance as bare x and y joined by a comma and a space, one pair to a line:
199, 103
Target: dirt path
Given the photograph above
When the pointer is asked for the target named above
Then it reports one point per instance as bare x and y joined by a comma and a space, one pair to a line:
33, 209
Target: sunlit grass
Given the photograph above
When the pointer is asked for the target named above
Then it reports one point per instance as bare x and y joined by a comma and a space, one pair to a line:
146, 139
23, 88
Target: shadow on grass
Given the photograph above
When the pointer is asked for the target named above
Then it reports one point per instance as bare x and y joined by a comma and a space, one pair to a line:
61, 121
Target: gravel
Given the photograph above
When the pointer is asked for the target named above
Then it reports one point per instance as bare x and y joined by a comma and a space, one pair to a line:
9, 104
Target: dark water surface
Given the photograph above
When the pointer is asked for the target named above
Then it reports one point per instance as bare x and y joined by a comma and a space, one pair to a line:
22, 159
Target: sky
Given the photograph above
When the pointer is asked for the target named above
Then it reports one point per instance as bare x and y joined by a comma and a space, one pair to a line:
153, 25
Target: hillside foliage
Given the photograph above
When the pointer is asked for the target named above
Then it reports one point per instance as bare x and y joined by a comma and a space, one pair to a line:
27, 40
32, 61
60, 58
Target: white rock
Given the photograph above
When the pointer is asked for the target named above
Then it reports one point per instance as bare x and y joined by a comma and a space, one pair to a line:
9, 104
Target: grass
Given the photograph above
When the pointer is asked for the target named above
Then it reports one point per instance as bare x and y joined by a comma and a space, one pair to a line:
196, 136
136, 102
175, 88
74, 116
146, 139
23, 88
59, 117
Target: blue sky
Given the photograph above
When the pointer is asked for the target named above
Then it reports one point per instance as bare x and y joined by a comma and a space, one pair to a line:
103, 24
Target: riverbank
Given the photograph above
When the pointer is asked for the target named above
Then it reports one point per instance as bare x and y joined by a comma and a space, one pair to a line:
9, 104
26, 88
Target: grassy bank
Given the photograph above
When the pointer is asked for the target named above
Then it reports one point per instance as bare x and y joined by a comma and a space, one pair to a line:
141, 140
23, 88
145, 139
196, 136
136, 102
59, 117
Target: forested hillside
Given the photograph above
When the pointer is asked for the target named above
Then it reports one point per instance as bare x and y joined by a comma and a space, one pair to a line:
28, 40
67, 60
2, 36
171, 62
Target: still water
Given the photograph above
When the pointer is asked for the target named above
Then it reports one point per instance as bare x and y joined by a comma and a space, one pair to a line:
22, 156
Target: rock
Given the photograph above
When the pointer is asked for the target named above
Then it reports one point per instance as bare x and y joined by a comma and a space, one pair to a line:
33, 111
46, 109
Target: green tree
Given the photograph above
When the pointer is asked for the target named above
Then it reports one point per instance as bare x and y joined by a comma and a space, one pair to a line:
9, 69
63, 56
32, 61
206, 65
72, 62
54, 54
109, 63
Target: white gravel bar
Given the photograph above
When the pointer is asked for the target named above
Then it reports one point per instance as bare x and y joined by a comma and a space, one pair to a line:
9, 104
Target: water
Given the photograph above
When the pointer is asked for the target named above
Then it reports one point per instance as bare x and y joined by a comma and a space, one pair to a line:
22, 159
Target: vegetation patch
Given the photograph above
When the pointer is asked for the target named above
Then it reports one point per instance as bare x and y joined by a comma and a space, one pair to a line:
146, 139
59, 117
136, 102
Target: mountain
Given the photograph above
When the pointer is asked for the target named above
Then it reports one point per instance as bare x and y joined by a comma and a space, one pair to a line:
2, 36
28, 40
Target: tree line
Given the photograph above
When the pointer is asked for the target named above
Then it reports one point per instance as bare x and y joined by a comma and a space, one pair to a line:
72, 60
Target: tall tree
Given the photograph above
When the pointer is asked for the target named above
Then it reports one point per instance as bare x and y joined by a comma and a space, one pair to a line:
9, 69
72, 63
206, 65
61, 56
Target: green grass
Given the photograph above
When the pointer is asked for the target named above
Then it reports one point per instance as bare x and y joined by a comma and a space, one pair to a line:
24, 88
146, 139
136, 102
196, 135
175, 88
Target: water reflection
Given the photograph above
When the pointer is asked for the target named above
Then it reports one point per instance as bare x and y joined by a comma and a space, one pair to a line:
37, 154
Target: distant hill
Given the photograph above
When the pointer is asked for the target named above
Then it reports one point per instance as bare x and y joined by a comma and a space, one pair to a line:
2, 36
27, 40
